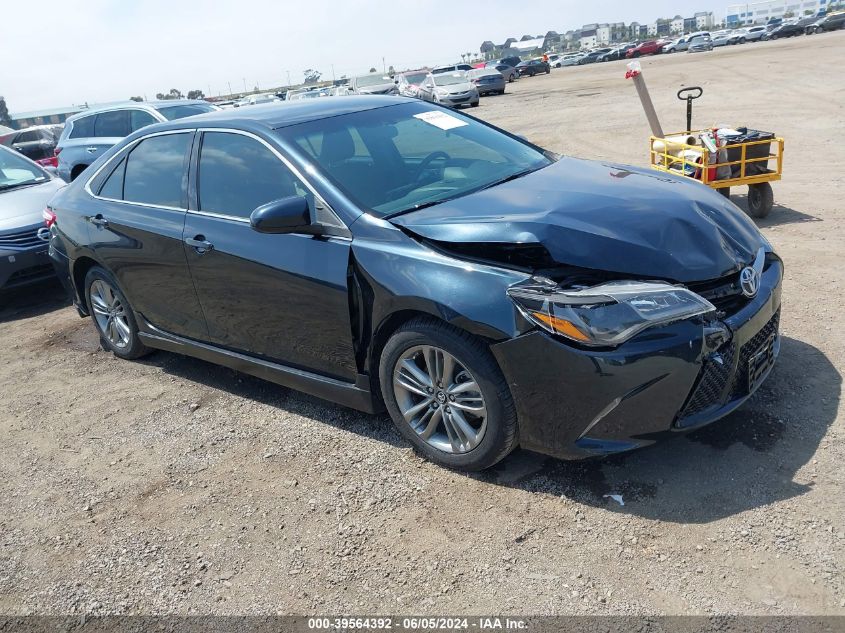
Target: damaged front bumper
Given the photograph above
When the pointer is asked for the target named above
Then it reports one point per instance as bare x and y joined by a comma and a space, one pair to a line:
575, 403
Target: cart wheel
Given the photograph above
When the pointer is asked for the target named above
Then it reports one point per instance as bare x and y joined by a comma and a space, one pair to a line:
760, 199
725, 191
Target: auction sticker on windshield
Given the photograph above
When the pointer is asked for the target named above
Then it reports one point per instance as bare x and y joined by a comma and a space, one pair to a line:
442, 120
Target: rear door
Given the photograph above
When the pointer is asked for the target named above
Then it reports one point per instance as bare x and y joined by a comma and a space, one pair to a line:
281, 297
136, 230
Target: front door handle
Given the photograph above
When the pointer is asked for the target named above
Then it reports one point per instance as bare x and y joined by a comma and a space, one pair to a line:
91, 149
200, 244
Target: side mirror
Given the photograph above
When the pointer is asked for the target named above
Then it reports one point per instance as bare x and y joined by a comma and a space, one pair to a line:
286, 215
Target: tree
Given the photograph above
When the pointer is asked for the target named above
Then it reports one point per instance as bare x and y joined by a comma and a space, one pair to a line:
5, 119
311, 76
525, 38
138, 99
372, 70
196, 94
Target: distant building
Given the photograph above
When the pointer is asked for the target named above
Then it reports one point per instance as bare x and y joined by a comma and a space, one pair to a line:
528, 46
589, 37
21, 120
678, 25
704, 20
761, 12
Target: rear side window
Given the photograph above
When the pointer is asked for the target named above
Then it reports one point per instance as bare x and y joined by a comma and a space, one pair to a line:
113, 187
28, 136
155, 170
112, 124
237, 174
140, 118
83, 128
181, 111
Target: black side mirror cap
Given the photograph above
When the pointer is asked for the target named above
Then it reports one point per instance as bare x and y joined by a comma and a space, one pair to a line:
286, 215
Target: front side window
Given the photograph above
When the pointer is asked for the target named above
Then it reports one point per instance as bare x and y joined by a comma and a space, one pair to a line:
155, 170
238, 174
28, 136
399, 158
112, 124
140, 118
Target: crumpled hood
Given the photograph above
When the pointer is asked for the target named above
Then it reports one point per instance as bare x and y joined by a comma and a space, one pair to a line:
603, 216
22, 207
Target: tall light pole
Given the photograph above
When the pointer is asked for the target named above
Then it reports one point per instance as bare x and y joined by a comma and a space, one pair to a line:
230, 87
288, 72
383, 65
244, 78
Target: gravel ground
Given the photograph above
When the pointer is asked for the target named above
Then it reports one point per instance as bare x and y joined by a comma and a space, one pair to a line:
173, 486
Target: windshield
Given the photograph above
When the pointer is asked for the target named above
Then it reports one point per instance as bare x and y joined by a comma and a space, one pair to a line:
450, 79
17, 172
181, 111
373, 80
402, 157
415, 78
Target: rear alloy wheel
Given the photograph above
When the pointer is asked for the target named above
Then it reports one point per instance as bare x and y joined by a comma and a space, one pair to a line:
447, 396
112, 316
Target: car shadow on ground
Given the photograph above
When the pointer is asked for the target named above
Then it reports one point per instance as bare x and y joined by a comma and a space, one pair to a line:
779, 214
31, 301
748, 459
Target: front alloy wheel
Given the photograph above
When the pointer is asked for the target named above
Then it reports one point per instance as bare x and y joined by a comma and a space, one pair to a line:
439, 399
447, 396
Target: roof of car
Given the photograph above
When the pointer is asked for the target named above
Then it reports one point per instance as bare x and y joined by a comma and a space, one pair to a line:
137, 104
277, 115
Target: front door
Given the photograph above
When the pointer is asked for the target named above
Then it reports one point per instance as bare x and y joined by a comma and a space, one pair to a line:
281, 297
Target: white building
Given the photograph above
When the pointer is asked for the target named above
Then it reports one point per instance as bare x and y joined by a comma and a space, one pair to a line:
678, 24
764, 10
704, 20
528, 45
603, 34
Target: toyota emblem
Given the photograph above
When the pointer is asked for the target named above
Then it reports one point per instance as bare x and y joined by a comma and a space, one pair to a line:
749, 281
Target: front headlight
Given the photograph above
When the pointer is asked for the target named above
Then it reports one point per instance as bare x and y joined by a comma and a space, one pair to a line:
608, 314
442, 92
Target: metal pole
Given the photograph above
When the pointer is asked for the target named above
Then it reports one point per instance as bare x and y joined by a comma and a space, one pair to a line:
645, 98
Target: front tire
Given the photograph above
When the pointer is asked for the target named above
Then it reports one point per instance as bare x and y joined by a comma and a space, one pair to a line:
447, 396
112, 314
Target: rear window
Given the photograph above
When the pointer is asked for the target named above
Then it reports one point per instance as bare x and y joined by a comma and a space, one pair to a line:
181, 111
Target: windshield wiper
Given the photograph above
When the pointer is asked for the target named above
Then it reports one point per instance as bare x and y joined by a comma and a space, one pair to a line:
518, 174
19, 184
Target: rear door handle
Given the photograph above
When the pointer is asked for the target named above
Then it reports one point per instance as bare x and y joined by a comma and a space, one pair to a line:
200, 244
90, 150
99, 220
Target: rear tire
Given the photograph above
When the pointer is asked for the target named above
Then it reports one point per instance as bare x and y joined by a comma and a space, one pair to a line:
113, 316
452, 374
761, 198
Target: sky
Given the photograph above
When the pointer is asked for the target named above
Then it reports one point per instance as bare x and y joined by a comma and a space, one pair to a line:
94, 51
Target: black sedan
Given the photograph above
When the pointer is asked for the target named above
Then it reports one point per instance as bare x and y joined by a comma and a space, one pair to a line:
36, 143
383, 251
531, 67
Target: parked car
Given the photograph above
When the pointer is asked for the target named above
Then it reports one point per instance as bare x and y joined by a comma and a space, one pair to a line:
380, 249
571, 60
37, 143
650, 47
554, 60
90, 133
510, 73
533, 67
512, 60
615, 54
25, 189
752, 34
831, 22
724, 38
677, 45
373, 84
258, 99
450, 89
700, 44
593, 55
450, 69
409, 83
791, 29
487, 81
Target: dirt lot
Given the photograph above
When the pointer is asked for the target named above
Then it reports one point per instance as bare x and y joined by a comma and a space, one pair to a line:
173, 486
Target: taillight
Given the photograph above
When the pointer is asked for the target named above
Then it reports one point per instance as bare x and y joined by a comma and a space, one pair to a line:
50, 161
49, 217
57, 151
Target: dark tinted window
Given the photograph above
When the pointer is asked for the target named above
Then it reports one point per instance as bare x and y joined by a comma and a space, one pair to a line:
28, 136
112, 124
237, 174
113, 187
140, 118
84, 127
181, 111
154, 170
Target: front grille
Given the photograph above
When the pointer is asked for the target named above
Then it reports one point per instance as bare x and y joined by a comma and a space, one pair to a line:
714, 378
21, 239
741, 386
724, 293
